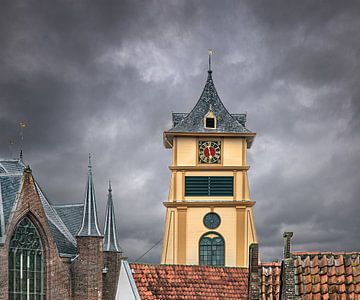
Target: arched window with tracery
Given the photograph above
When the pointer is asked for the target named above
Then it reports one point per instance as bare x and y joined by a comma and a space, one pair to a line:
212, 249
26, 263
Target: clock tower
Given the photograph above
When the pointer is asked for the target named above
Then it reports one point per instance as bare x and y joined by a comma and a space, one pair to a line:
209, 212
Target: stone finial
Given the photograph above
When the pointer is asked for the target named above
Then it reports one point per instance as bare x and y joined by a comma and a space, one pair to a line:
287, 242
27, 169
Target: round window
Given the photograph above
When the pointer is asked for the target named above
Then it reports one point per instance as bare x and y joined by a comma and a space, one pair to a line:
211, 220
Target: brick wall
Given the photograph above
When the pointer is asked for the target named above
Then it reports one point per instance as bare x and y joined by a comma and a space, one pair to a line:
254, 276
87, 268
112, 262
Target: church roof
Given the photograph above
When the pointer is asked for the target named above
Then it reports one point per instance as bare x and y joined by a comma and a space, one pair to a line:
189, 282
110, 234
11, 172
71, 214
89, 225
209, 100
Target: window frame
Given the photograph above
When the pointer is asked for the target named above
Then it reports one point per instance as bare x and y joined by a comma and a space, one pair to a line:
223, 245
26, 262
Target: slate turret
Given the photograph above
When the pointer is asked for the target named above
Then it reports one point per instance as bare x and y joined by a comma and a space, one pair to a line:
112, 251
89, 264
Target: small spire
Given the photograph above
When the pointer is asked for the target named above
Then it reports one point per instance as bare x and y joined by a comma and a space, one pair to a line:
210, 52
110, 235
21, 158
110, 190
89, 225
89, 165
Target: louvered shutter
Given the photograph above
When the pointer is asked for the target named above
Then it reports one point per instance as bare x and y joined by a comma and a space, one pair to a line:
209, 185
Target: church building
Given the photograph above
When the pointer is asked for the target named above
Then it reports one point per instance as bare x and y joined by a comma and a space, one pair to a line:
210, 248
54, 251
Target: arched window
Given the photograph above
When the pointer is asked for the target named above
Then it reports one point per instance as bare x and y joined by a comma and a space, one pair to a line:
212, 250
26, 263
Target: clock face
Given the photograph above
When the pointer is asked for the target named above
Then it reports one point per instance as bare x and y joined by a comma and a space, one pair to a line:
211, 220
209, 152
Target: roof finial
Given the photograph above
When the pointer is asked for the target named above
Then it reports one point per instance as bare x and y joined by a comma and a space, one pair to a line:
21, 156
89, 165
110, 189
210, 54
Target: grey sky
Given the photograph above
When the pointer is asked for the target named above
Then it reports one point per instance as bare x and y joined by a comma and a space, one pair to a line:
104, 76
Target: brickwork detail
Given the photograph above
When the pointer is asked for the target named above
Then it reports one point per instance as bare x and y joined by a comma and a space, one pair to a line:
112, 262
87, 268
288, 281
288, 270
254, 276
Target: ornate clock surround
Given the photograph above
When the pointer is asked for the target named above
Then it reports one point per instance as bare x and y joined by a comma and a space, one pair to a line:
204, 147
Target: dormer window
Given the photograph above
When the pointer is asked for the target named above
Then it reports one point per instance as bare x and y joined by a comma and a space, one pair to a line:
210, 120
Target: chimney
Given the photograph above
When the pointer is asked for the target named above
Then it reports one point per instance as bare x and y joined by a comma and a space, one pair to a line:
254, 276
287, 270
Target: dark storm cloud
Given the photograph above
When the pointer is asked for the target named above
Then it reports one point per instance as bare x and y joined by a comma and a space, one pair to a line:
103, 77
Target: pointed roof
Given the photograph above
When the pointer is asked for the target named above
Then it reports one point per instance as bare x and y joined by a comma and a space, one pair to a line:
110, 239
193, 122
89, 226
209, 100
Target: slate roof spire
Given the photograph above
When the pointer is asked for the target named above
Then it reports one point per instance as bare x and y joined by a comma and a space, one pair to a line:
110, 239
209, 100
89, 226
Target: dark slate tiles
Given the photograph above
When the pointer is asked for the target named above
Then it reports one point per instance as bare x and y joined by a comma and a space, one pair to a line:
71, 215
209, 100
9, 188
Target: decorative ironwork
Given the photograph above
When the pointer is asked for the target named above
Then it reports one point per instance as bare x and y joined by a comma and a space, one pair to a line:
212, 250
26, 263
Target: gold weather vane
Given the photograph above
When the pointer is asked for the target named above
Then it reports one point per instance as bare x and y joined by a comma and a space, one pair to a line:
210, 51
22, 126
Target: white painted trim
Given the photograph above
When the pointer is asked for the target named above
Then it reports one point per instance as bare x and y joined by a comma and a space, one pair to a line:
126, 287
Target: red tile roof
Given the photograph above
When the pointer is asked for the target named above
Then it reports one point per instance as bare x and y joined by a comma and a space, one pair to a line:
270, 280
327, 275
190, 282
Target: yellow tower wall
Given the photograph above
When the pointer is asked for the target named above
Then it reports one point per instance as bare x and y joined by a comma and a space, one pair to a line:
184, 215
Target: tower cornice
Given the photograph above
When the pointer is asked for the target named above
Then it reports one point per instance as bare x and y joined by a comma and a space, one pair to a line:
169, 136
235, 203
209, 168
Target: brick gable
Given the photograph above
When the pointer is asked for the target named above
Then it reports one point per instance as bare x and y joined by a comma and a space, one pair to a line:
28, 203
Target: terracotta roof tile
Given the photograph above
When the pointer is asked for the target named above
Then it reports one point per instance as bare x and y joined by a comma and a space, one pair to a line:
327, 275
190, 282
270, 281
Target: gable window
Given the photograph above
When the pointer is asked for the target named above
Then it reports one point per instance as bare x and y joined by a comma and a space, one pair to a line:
210, 122
212, 250
210, 119
209, 186
26, 263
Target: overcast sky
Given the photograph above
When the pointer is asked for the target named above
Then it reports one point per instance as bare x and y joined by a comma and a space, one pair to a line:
104, 76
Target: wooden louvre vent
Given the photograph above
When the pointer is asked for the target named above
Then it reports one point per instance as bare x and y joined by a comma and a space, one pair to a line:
209, 185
